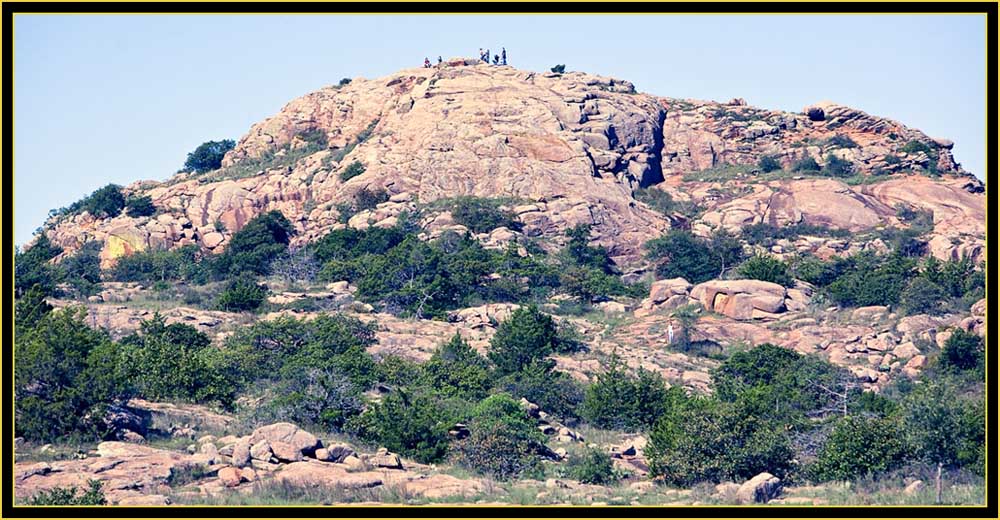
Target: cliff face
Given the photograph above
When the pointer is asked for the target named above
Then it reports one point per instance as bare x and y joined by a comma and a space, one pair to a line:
567, 149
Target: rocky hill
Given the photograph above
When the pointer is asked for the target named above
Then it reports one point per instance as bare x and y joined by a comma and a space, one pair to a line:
818, 199
566, 148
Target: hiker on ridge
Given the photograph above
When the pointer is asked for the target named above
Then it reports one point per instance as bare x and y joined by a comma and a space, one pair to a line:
503, 55
427, 63
496, 59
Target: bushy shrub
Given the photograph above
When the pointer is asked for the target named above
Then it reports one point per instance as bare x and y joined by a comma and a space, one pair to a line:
768, 269
579, 252
914, 147
319, 397
841, 141
242, 294
837, 167
806, 164
60, 381
367, 198
769, 163
766, 234
553, 391
31, 267
157, 265
592, 467
141, 206
344, 82
208, 155
681, 254
657, 199
559, 69
963, 351
592, 285
860, 446
618, 400
707, 440
411, 424
253, 248
870, 279
82, 270
527, 336
779, 384
351, 171
482, 215
504, 442
921, 296
58, 496
456, 370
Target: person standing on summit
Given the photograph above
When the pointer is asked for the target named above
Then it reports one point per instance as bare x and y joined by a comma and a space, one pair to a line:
503, 55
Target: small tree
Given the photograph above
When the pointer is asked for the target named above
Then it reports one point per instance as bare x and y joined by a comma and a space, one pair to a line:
769, 163
242, 294
963, 351
861, 446
141, 206
528, 335
933, 416
806, 164
921, 296
768, 269
837, 167
351, 171
504, 443
620, 401
592, 467
208, 156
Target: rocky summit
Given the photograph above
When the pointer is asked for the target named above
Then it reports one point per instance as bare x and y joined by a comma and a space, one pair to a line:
570, 148
475, 284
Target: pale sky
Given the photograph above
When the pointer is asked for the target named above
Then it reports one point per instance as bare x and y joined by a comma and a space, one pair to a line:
119, 98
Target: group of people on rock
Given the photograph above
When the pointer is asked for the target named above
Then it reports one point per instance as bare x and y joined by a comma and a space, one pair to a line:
498, 59
484, 56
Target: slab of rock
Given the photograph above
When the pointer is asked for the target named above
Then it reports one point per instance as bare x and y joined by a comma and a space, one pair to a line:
285, 452
288, 433
261, 450
316, 473
440, 486
229, 476
759, 490
740, 299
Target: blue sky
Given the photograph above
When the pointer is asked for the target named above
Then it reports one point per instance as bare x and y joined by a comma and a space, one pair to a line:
118, 98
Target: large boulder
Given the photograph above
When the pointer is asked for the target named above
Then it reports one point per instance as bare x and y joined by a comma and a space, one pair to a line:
759, 490
287, 433
662, 290
741, 299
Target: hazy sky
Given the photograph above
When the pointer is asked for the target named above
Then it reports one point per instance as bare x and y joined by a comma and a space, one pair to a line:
102, 99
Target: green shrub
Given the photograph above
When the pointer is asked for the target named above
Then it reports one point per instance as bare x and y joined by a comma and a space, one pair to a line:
411, 424
208, 155
60, 381
767, 234
592, 285
242, 294
141, 206
351, 171
768, 269
860, 447
482, 215
30, 308
769, 163
921, 296
528, 335
31, 267
914, 147
169, 362
661, 201
840, 141
806, 164
681, 254
943, 426
620, 401
58, 496
778, 384
155, 265
559, 69
504, 442
837, 167
366, 198
456, 370
253, 248
870, 279
318, 397
963, 351
592, 467
82, 270
553, 391
706, 440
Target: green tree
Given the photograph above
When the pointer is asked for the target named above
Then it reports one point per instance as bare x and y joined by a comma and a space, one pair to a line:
456, 370
707, 440
253, 248
32, 267
768, 269
837, 167
592, 467
527, 336
620, 401
769, 163
58, 496
559, 69
553, 391
504, 442
679, 254
242, 294
106, 202
208, 155
482, 215
806, 164
861, 446
83, 269
141, 206
963, 351
411, 424
31, 308
921, 296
